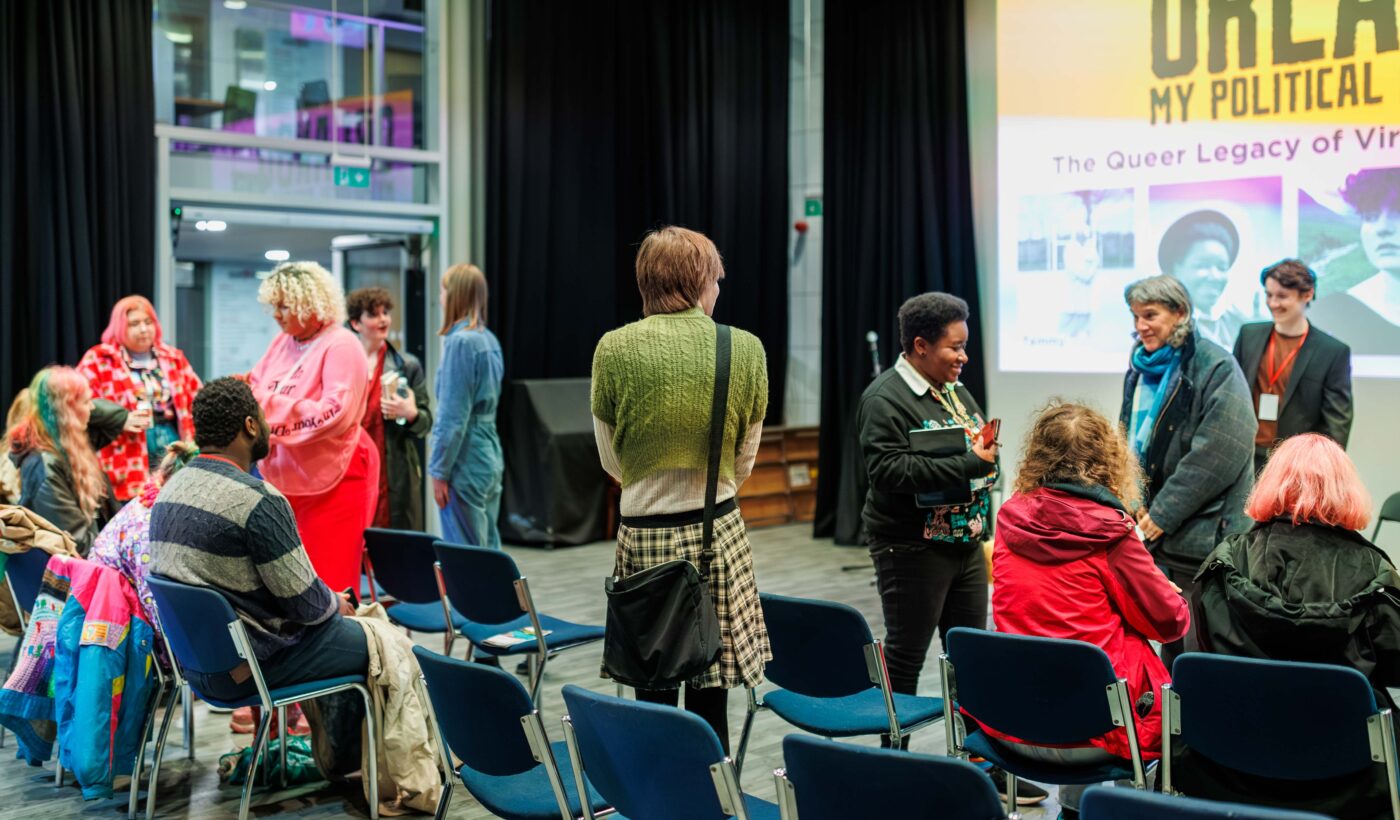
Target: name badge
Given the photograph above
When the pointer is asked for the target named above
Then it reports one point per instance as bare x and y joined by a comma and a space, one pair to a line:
1268, 407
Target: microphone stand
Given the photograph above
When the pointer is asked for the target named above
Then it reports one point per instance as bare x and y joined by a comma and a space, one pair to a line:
873, 339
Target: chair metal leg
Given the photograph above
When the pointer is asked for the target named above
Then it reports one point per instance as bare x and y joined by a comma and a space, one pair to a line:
259, 744
535, 661
2, 737
444, 802
57, 775
139, 763
1011, 812
161, 738
372, 732
282, 735
187, 716
749, 714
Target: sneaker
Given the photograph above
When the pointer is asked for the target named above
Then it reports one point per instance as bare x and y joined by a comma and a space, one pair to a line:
242, 722
1027, 793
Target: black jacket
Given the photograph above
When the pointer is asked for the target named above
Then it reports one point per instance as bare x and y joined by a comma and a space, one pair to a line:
888, 411
46, 480
1299, 593
401, 446
1303, 593
1318, 396
1200, 461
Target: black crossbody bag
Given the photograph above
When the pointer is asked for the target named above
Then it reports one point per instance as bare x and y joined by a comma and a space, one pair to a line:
662, 629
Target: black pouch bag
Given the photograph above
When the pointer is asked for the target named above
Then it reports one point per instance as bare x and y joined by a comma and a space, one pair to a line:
662, 629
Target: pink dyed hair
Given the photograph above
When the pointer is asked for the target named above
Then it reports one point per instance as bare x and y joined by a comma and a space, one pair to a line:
1311, 479
115, 334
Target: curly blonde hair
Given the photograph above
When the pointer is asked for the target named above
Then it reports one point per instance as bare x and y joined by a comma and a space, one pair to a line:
1071, 443
307, 289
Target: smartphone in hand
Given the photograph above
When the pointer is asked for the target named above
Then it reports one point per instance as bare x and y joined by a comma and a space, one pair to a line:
354, 596
990, 432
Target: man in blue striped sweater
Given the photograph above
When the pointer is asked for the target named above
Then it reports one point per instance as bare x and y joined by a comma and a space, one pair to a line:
214, 525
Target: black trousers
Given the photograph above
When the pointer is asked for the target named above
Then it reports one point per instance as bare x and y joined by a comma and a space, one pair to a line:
710, 705
1186, 579
923, 588
329, 650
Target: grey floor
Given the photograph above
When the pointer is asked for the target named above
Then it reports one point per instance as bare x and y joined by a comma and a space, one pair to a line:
566, 583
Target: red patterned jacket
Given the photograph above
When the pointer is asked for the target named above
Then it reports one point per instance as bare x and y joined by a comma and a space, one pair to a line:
124, 460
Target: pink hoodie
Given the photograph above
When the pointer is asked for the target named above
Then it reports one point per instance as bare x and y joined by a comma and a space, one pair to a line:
314, 399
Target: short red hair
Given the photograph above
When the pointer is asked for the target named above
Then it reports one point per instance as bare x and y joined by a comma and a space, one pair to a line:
1311, 479
115, 334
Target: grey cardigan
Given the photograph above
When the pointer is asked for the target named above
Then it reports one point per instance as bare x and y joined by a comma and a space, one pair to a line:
1199, 467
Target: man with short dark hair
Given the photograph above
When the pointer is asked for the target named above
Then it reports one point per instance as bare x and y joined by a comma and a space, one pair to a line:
214, 525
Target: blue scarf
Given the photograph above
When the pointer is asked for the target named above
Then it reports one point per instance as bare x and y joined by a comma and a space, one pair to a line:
1154, 374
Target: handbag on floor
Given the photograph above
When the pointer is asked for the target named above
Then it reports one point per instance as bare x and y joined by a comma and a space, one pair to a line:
662, 629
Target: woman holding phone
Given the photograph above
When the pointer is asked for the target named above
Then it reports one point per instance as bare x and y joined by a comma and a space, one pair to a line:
927, 510
135, 368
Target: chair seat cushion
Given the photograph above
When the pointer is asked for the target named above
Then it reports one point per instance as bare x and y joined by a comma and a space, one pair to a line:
981, 744
287, 693
528, 795
562, 634
860, 714
422, 617
761, 809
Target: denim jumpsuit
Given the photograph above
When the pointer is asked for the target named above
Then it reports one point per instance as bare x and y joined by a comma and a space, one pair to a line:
466, 450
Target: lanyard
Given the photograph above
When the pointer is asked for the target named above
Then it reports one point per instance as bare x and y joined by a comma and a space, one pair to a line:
956, 409
1272, 373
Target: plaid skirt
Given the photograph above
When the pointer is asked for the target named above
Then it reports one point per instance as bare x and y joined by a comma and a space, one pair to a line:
732, 586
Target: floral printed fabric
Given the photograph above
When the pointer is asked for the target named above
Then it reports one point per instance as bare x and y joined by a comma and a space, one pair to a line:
125, 546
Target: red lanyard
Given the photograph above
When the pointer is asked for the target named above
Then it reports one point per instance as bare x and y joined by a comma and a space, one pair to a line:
1269, 371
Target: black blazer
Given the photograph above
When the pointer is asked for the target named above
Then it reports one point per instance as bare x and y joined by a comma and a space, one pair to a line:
1318, 396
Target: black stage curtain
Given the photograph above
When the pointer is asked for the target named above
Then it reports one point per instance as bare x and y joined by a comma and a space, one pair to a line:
613, 117
898, 209
77, 175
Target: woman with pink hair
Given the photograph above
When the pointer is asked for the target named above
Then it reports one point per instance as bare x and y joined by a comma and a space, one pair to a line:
53, 448
135, 368
1303, 584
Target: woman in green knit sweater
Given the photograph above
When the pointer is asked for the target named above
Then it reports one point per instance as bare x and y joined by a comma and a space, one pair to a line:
653, 384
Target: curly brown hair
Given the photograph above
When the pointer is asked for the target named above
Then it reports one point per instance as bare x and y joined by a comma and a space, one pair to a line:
1071, 443
364, 300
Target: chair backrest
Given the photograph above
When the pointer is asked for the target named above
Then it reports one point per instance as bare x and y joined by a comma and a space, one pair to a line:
1058, 694
26, 573
646, 760
480, 582
195, 622
403, 564
837, 780
818, 646
1390, 511
1233, 710
478, 709
1106, 803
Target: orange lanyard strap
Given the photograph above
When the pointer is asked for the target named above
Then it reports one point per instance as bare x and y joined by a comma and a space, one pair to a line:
1269, 370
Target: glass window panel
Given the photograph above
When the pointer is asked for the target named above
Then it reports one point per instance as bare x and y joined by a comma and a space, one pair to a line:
350, 71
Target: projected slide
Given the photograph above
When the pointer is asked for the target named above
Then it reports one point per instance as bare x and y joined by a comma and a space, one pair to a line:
1203, 140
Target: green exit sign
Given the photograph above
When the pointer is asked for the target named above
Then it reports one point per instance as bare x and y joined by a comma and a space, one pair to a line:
351, 177
813, 206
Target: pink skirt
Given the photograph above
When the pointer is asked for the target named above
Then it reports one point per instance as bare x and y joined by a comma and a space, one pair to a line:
332, 524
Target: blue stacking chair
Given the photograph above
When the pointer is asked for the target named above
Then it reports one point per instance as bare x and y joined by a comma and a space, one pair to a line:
205, 635
488, 589
487, 720
826, 780
832, 675
25, 573
1044, 691
654, 762
1104, 803
401, 564
1279, 720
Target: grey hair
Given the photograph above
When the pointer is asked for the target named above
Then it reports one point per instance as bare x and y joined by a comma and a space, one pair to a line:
1168, 292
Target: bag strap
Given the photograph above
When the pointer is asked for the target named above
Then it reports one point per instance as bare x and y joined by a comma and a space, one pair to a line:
717, 415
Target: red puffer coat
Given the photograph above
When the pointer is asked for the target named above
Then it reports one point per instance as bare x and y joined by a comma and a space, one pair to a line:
1069, 564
